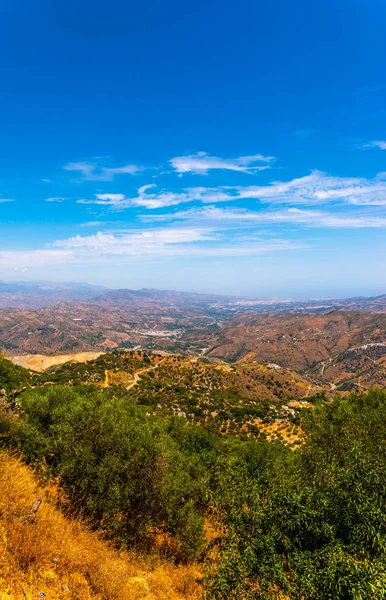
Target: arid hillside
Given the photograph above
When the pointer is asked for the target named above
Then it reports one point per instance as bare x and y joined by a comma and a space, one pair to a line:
67, 319
73, 327
317, 345
314, 345
49, 554
41, 362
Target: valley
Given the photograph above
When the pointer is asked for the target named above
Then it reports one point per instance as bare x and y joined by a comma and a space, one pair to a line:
339, 349
205, 359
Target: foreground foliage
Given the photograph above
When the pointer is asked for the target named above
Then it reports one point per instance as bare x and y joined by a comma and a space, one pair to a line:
284, 524
127, 472
314, 526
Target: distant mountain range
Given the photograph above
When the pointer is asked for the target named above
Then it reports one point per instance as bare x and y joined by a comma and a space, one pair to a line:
44, 293
332, 342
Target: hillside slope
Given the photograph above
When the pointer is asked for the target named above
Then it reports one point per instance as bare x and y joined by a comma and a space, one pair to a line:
229, 398
62, 559
308, 343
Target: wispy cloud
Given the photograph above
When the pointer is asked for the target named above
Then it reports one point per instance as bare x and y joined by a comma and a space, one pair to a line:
55, 199
295, 216
93, 172
315, 189
162, 199
168, 242
113, 200
23, 259
93, 224
157, 199
376, 144
127, 241
6, 199
201, 163
320, 188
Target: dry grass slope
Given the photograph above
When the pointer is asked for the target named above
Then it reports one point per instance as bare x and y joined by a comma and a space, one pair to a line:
88, 569
40, 362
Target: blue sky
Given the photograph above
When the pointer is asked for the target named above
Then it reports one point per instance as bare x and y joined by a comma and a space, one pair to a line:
216, 146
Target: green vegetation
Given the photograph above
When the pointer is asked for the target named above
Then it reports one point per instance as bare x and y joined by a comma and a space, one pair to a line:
233, 400
94, 371
309, 525
137, 477
301, 523
12, 377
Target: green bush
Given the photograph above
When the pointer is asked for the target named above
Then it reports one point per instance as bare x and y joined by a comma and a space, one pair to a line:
124, 470
12, 376
312, 525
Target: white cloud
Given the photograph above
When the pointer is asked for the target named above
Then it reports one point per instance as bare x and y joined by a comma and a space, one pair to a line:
22, 259
6, 199
95, 172
380, 144
295, 216
55, 199
93, 224
154, 199
201, 163
320, 188
113, 200
129, 242
164, 198
316, 188
167, 242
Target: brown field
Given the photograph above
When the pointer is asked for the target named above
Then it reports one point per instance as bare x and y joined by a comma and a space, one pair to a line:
40, 362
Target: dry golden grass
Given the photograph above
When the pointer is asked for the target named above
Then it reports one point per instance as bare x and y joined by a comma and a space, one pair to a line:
87, 569
41, 362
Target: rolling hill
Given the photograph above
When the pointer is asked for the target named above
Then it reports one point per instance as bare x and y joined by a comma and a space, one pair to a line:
333, 347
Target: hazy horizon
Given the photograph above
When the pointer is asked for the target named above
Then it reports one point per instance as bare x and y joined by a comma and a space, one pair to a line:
186, 290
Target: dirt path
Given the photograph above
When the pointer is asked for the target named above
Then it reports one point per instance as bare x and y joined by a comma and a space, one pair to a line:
137, 375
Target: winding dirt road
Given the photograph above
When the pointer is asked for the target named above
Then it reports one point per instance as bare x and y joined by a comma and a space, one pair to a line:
137, 375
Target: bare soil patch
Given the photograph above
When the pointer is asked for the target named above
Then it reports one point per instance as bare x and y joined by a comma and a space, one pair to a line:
41, 362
